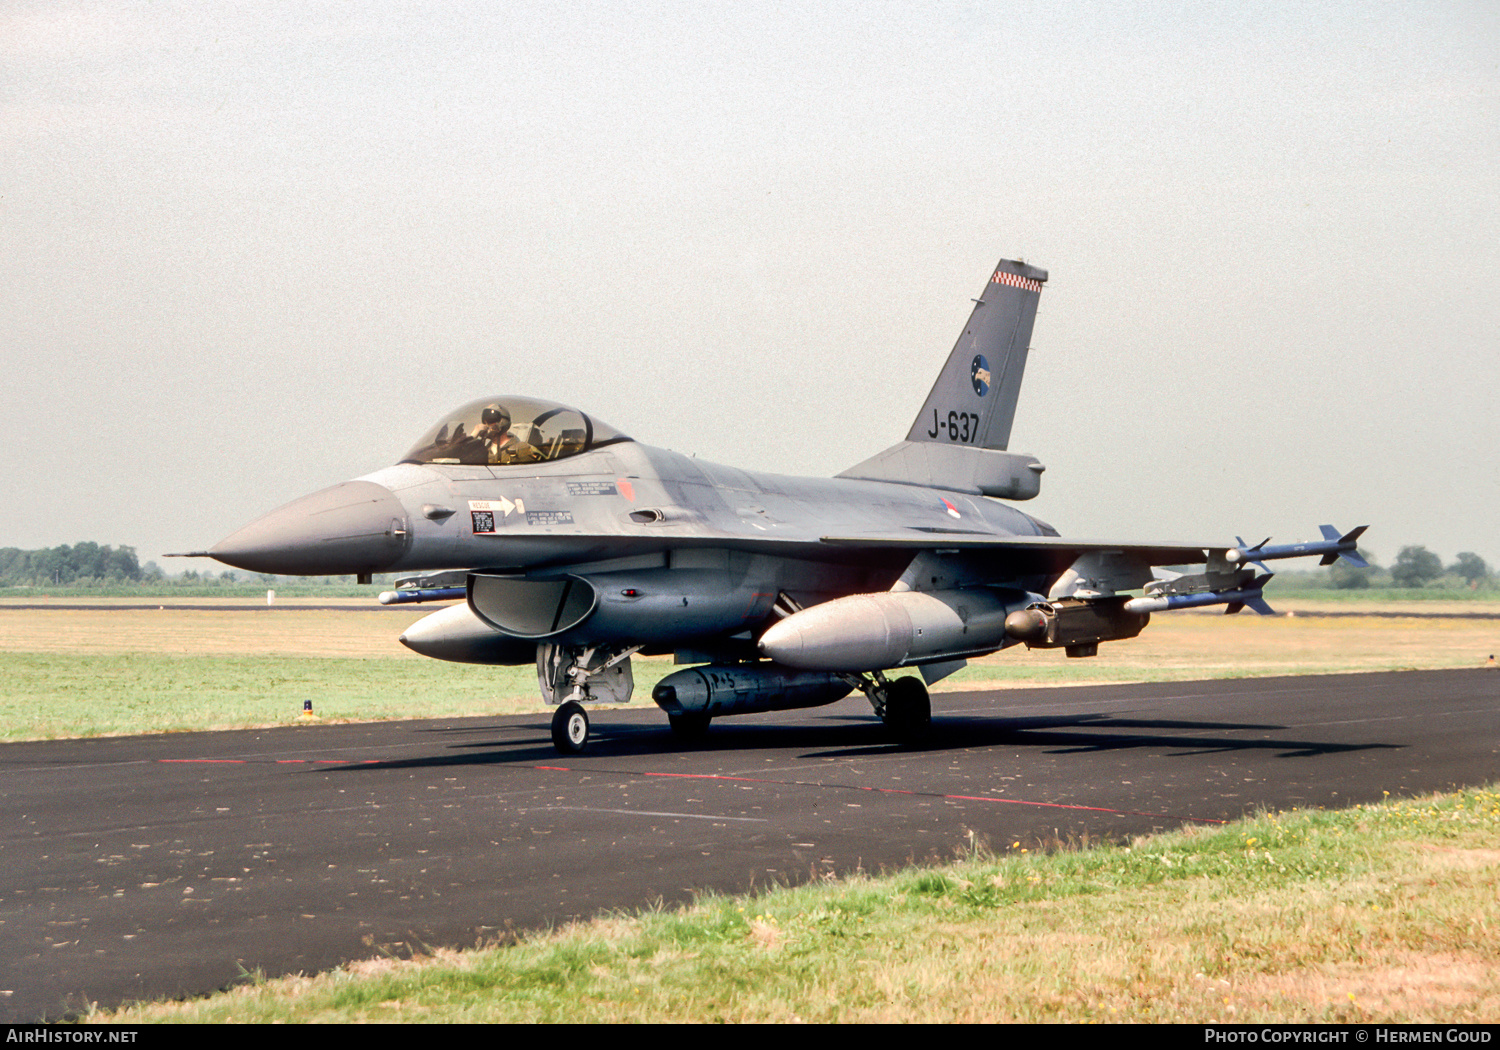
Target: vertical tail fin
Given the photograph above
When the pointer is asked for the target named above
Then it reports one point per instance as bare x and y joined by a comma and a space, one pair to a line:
959, 438
974, 399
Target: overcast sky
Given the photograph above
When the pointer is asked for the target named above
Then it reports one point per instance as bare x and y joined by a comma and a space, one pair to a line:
251, 250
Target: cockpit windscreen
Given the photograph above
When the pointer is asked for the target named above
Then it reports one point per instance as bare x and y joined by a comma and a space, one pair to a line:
500, 431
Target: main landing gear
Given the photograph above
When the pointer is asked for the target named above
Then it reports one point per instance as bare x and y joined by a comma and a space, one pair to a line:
908, 710
902, 704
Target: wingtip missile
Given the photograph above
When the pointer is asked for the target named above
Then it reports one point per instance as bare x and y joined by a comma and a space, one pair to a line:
1330, 549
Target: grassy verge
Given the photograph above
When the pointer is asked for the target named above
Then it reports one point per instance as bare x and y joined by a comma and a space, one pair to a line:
54, 695
1385, 912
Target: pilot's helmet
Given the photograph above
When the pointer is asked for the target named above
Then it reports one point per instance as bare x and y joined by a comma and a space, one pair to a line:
495, 415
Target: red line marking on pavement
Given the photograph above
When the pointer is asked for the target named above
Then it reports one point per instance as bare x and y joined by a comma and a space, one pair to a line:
281, 761
763, 780
931, 794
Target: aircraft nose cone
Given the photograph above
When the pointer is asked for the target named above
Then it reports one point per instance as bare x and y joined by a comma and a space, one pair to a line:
355, 527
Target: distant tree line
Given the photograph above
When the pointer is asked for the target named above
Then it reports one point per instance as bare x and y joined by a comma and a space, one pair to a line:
90, 566
1414, 566
57, 566
85, 564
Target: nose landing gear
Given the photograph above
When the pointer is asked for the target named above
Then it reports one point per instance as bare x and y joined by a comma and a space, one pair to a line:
572, 675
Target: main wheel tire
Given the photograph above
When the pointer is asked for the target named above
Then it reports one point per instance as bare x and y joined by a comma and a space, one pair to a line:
908, 711
570, 728
689, 726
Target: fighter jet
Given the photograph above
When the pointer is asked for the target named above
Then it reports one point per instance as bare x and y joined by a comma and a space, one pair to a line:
575, 547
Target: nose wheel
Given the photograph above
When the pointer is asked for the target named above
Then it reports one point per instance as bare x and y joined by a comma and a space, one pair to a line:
570, 728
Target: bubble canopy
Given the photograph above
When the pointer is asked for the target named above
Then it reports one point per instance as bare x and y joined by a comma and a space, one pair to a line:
505, 430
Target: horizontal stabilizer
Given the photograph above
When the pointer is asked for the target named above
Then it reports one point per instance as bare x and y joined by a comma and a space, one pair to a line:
954, 468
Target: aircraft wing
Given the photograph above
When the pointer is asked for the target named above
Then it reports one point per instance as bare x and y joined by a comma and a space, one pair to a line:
1035, 553
1019, 555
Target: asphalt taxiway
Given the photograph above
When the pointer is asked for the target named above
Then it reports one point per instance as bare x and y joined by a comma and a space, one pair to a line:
173, 865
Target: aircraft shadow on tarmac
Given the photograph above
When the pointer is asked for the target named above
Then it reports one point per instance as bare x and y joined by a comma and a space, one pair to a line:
845, 736
1074, 734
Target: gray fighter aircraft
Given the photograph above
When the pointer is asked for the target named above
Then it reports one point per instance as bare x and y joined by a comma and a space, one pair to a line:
575, 547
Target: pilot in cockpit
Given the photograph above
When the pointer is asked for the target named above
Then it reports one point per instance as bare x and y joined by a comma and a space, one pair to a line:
506, 430
503, 446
